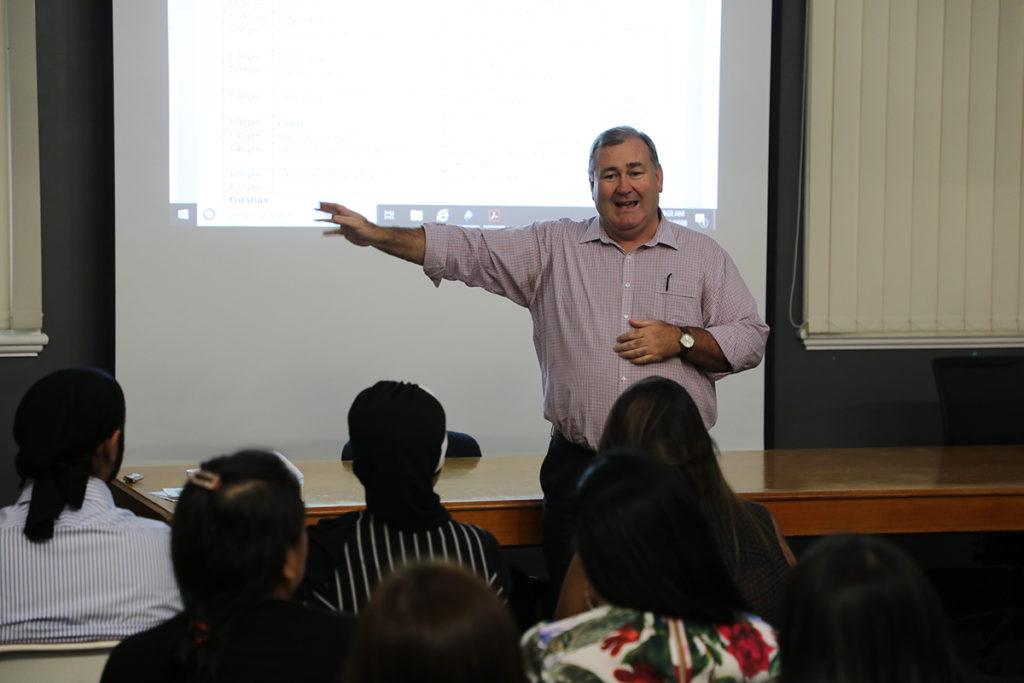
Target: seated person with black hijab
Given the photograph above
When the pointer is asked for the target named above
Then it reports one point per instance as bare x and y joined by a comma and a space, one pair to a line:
73, 567
397, 432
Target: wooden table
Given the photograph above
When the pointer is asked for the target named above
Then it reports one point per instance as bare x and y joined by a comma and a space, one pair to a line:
810, 492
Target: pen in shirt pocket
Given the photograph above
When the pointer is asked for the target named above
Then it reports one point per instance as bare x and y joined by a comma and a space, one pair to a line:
667, 280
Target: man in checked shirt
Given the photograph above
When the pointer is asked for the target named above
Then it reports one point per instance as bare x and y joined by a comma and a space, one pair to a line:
615, 298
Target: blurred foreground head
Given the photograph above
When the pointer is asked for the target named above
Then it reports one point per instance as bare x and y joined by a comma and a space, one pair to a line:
859, 610
436, 623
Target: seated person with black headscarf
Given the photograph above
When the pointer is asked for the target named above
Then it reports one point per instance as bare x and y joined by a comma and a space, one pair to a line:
74, 567
397, 432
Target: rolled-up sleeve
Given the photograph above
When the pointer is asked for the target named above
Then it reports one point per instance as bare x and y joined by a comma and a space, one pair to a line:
731, 316
505, 261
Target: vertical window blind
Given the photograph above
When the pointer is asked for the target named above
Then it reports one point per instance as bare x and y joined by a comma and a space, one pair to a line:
914, 191
21, 316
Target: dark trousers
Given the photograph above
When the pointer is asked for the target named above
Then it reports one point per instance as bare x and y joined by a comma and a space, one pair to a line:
559, 475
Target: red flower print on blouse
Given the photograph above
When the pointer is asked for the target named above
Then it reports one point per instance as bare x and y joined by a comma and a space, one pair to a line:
747, 646
626, 634
642, 673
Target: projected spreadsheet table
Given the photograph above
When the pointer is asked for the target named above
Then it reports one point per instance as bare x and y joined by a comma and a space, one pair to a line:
272, 108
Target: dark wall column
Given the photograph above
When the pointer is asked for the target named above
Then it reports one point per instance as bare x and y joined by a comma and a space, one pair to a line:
76, 150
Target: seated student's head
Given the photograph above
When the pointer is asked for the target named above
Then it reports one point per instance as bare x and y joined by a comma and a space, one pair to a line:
397, 432
644, 545
435, 623
238, 538
657, 415
69, 426
859, 610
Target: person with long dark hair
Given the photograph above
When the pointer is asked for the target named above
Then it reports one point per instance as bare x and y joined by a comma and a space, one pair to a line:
662, 605
238, 545
858, 610
435, 623
657, 415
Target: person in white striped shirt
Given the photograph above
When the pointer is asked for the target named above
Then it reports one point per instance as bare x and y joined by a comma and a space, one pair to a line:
74, 567
397, 433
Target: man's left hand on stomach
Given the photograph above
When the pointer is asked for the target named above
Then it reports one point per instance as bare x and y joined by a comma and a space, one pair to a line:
649, 341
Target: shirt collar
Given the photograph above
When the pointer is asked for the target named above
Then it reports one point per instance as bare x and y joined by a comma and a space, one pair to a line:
96, 491
664, 235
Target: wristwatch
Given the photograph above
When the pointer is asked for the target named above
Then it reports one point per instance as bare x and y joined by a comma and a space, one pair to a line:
686, 341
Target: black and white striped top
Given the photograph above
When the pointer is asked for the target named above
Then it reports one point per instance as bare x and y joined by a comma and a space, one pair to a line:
348, 557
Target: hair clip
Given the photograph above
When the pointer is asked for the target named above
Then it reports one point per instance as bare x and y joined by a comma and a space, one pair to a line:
208, 480
201, 630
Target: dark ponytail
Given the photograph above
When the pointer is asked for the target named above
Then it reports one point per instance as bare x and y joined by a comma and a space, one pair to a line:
232, 528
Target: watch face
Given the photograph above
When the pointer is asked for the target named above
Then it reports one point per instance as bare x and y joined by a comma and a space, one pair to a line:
686, 341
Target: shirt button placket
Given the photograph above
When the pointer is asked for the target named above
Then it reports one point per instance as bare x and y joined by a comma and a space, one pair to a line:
627, 290
627, 307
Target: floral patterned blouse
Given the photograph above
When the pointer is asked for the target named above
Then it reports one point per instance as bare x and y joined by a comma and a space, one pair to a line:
619, 644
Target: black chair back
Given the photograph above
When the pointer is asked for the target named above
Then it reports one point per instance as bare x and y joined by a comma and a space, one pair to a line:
981, 399
460, 445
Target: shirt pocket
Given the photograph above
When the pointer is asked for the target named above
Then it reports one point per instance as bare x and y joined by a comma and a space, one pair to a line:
680, 304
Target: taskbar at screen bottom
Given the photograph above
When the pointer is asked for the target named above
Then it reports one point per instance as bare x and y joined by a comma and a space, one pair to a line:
491, 216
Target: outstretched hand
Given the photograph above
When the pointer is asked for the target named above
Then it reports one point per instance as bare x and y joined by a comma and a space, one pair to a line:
649, 341
351, 225
405, 243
